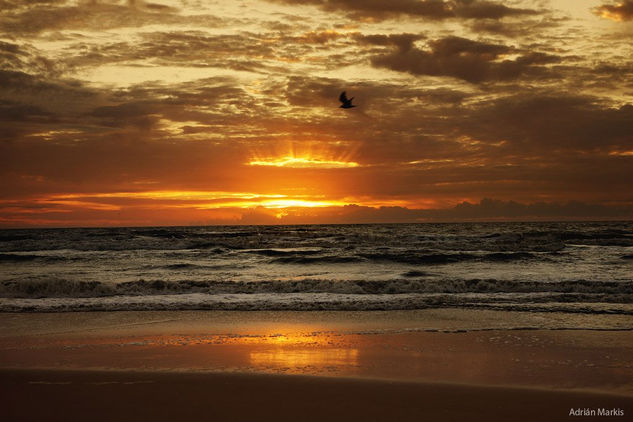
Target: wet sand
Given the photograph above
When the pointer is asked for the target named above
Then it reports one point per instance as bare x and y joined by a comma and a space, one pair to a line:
410, 365
132, 396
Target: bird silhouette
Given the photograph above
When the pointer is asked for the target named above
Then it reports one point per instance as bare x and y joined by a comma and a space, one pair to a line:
346, 103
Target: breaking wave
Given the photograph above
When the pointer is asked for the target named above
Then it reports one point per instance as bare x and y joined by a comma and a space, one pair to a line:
55, 287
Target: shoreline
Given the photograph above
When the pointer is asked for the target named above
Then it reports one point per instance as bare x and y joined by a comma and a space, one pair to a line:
30, 324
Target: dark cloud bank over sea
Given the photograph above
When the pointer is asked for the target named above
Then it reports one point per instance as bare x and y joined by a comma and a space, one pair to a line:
485, 210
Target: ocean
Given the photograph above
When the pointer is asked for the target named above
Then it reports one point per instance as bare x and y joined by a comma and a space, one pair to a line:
579, 267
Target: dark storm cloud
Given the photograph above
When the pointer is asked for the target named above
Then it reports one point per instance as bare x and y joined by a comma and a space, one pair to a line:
622, 10
546, 121
428, 9
56, 96
461, 58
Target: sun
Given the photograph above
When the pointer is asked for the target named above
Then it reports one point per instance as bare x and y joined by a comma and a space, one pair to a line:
317, 155
303, 162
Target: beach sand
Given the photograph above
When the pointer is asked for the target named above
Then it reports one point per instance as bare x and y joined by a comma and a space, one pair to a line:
442, 364
133, 396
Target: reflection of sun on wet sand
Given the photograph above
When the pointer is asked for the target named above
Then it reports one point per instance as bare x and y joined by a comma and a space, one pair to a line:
294, 352
296, 360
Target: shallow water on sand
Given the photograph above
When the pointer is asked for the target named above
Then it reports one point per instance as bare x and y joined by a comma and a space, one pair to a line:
546, 350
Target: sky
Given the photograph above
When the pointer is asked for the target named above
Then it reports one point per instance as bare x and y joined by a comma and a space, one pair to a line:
181, 112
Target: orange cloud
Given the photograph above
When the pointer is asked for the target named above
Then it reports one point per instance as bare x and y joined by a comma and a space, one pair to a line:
622, 11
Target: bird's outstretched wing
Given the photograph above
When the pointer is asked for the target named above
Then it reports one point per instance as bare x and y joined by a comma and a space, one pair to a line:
343, 98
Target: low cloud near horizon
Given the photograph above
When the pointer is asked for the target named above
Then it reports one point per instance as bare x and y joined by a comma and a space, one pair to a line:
486, 210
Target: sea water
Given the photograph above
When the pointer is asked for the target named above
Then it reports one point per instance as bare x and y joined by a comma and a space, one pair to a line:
571, 267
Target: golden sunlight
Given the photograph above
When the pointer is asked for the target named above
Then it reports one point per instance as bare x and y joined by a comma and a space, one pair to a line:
612, 12
191, 199
297, 359
303, 162
295, 350
290, 203
170, 195
320, 155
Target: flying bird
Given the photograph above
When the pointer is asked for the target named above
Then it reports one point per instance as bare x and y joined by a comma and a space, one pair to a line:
346, 103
